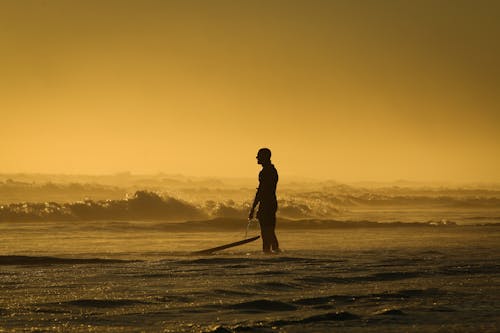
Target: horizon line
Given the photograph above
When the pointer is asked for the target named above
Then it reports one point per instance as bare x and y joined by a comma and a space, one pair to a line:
291, 178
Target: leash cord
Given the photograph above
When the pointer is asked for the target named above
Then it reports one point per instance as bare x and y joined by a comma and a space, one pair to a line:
248, 227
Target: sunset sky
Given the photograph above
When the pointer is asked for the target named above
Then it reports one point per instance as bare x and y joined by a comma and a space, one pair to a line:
346, 90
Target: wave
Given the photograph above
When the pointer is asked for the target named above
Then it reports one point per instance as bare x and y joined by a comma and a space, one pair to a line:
234, 224
270, 273
343, 299
244, 261
227, 292
274, 286
314, 301
323, 204
329, 316
50, 311
470, 269
262, 305
143, 205
384, 276
100, 303
174, 299
153, 275
28, 260
390, 312
402, 275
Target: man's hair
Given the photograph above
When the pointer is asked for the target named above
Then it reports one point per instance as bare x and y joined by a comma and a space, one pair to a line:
264, 153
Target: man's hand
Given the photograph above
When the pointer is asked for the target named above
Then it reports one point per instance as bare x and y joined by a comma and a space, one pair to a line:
250, 216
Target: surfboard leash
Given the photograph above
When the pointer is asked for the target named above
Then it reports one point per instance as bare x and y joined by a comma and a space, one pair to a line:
248, 227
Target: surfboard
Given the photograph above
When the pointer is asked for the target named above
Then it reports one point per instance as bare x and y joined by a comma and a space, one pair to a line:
227, 246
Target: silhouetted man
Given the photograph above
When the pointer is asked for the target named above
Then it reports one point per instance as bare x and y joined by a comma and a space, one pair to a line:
266, 199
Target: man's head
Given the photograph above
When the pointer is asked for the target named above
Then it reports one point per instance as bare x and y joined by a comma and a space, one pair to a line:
264, 156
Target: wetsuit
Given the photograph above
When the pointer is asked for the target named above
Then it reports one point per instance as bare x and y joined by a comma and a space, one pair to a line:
266, 196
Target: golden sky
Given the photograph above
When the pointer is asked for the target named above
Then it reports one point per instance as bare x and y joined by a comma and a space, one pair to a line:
346, 90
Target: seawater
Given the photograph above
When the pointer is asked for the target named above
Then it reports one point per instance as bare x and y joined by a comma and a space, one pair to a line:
122, 277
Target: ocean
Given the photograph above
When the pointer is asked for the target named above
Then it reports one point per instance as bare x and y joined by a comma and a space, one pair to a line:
141, 277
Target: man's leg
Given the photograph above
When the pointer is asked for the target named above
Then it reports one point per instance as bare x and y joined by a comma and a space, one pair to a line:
273, 239
265, 234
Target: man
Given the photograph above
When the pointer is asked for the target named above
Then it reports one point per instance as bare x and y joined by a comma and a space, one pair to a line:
266, 199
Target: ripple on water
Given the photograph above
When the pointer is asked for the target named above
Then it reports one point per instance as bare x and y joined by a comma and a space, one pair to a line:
101, 303
274, 286
262, 305
227, 292
42, 261
314, 301
377, 277
390, 312
329, 316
